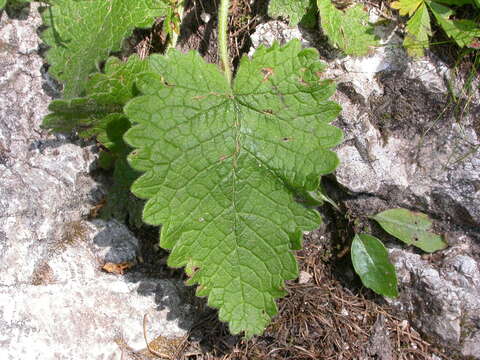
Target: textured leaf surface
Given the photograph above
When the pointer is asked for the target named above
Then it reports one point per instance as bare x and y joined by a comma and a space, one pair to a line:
371, 263
222, 165
100, 114
293, 10
407, 7
418, 31
83, 33
410, 227
463, 32
348, 30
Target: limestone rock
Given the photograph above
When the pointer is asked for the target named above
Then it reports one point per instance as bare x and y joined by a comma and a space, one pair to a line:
442, 297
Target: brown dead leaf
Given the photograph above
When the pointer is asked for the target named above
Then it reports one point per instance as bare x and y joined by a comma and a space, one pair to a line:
118, 269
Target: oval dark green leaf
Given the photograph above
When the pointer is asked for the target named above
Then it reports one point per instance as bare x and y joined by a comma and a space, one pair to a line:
371, 263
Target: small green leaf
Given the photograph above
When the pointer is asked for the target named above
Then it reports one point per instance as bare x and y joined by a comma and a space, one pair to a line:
294, 10
407, 7
418, 31
83, 33
463, 32
222, 165
348, 30
371, 263
411, 228
2, 4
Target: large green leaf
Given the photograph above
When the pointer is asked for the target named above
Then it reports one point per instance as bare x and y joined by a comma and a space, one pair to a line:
294, 10
410, 227
222, 167
2, 4
348, 30
418, 31
464, 32
83, 33
371, 263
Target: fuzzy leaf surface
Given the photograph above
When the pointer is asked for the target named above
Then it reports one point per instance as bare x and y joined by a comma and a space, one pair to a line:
411, 228
294, 10
418, 31
348, 30
83, 33
222, 166
371, 263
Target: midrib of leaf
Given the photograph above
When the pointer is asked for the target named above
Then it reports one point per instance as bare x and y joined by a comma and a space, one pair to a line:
236, 126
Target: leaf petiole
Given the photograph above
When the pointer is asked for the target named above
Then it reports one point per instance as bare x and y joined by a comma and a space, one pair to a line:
223, 38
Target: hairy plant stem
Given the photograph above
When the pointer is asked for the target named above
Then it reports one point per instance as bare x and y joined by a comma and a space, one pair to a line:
223, 38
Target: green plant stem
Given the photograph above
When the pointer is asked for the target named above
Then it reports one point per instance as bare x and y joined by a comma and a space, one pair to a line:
223, 38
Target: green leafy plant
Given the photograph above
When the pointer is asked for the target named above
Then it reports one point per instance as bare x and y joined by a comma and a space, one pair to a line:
222, 165
293, 10
220, 160
223, 159
83, 33
370, 258
464, 32
348, 30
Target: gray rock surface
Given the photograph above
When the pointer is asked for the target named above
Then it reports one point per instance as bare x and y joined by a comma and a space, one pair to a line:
55, 301
441, 294
408, 143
